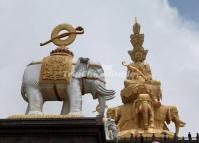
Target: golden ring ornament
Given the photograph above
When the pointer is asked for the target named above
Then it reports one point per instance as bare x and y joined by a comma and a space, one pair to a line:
71, 34
58, 29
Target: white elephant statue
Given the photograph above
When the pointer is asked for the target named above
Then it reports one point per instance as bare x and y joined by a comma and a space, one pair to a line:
87, 77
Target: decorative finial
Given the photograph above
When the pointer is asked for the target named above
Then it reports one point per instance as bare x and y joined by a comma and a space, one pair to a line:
136, 27
71, 33
138, 54
56, 38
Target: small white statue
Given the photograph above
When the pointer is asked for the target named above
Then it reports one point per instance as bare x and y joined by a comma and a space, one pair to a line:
111, 129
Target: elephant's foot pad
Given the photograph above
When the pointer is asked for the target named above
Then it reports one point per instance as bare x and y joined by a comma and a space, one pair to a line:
18, 117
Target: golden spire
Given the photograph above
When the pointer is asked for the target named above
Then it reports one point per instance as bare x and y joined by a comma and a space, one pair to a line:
136, 27
138, 54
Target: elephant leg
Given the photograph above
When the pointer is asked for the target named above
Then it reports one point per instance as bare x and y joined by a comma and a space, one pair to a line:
27, 110
145, 115
178, 124
145, 119
35, 101
177, 129
65, 107
75, 97
151, 118
102, 104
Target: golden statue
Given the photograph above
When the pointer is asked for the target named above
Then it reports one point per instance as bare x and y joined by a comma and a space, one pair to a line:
142, 111
57, 67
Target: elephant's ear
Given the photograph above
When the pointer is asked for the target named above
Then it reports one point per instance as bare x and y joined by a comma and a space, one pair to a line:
81, 67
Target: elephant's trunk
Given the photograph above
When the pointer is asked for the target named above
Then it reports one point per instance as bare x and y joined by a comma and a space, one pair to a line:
102, 105
174, 117
144, 112
23, 93
178, 124
177, 129
108, 94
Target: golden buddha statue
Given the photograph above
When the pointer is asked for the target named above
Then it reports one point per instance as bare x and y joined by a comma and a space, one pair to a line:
139, 77
142, 111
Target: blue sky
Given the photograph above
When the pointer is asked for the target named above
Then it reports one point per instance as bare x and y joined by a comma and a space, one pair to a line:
189, 9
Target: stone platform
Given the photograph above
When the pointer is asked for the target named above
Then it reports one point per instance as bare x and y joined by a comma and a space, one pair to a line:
70, 130
152, 141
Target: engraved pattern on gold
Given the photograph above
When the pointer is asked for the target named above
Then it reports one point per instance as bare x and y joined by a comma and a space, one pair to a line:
56, 69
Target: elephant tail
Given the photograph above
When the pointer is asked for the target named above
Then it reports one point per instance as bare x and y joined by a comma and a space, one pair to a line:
23, 93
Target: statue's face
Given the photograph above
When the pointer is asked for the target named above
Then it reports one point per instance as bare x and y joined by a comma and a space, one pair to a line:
110, 113
144, 98
138, 56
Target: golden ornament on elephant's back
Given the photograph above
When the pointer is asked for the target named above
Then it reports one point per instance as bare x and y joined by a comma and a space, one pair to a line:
57, 67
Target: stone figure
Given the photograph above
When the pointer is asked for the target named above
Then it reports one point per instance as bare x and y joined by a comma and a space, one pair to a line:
142, 111
112, 113
56, 78
111, 129
98, 109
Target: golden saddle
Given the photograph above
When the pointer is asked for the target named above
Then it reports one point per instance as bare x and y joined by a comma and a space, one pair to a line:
56, 68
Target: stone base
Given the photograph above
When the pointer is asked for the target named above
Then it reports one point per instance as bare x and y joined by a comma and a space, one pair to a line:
145, 133
52, 130
23, 117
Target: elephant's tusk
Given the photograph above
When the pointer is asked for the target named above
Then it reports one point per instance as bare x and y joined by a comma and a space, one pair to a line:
101, 88
106, 97
124, 63
105, 93
109, 97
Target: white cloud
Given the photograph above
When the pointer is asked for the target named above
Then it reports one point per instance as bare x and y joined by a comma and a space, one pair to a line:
172, 43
